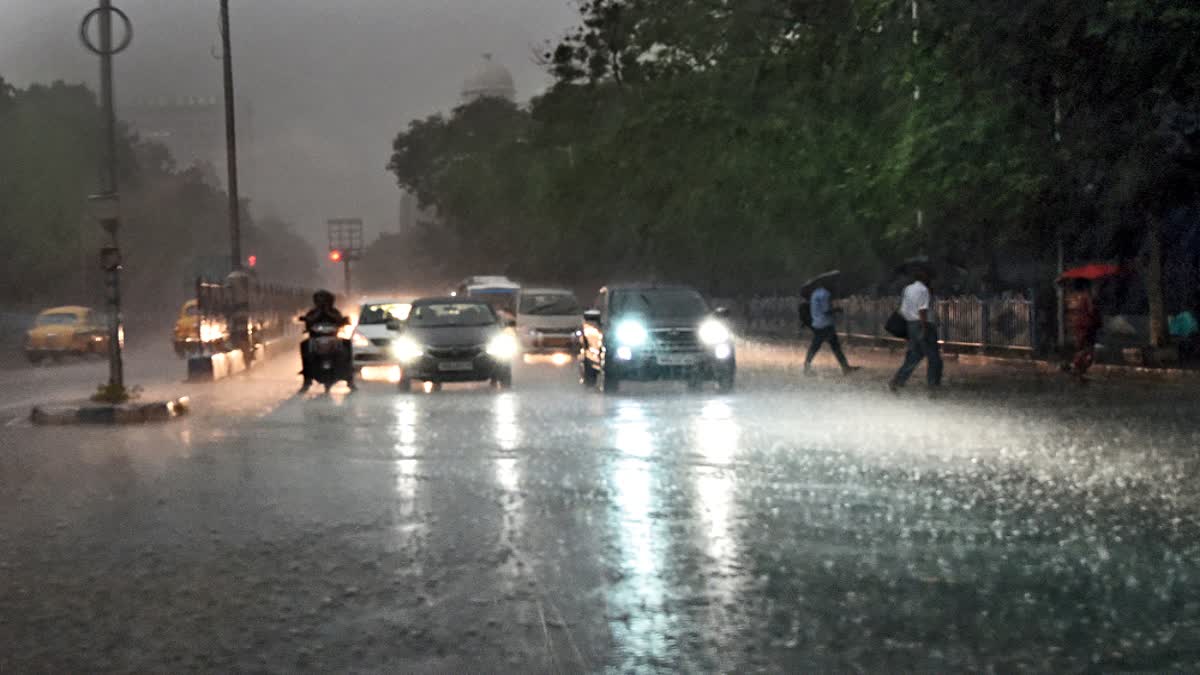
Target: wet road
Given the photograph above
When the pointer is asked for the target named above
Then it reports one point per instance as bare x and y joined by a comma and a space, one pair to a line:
151, 364
797, 525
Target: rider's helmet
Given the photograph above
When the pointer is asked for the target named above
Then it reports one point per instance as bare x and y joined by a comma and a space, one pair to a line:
323, 298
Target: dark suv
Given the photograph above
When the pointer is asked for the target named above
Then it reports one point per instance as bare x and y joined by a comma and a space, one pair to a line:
653, 332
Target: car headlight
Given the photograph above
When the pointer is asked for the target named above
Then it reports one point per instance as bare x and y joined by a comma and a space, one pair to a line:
713, 332
631, 334
503, 346
407, 349
360, 340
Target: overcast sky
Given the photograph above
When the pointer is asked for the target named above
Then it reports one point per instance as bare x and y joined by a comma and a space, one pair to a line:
330, 82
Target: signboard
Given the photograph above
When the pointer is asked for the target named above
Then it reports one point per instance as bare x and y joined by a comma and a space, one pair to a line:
346, 237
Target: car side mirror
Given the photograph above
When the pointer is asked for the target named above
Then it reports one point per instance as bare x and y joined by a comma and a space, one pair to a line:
592, 316
721, 312
395, 324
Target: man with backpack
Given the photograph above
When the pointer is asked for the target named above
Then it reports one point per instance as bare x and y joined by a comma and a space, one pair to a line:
821, 320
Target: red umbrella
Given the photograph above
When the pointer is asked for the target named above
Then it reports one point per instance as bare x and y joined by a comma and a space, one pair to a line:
1092, 272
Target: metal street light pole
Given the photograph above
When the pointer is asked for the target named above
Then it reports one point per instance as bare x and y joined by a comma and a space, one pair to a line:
235, 215
106, 204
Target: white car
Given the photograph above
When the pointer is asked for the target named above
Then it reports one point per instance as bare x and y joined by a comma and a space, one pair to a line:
548, 324
373, 337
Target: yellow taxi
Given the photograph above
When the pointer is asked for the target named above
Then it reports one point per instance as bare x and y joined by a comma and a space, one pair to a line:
187, 328
64, 331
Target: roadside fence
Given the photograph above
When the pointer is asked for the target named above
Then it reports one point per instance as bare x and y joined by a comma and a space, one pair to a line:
1004, 322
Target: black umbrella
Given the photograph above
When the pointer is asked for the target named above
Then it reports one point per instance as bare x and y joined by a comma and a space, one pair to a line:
940, 268
817, 281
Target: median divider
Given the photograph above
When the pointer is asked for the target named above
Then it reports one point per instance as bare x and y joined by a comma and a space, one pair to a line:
87, 412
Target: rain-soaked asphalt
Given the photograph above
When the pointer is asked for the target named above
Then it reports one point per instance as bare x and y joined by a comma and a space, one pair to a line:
797, 525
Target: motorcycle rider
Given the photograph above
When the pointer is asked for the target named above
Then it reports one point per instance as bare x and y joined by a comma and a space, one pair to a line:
323, 311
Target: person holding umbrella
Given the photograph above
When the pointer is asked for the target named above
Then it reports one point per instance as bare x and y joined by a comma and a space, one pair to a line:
820, 302
1082, 314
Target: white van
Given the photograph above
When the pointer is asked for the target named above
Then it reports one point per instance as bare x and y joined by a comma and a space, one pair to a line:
548, 323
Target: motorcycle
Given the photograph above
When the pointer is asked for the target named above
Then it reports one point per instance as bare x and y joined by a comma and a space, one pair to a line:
327, 358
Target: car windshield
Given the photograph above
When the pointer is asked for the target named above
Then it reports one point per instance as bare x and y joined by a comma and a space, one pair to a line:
659, 302
57, 319
549, 304
451, 314
500, 299
382, 313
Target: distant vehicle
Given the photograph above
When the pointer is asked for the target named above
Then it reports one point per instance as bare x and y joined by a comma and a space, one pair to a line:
548, 323
498, 291
455, 340
186, 337
376, 330
655, 332
66, 331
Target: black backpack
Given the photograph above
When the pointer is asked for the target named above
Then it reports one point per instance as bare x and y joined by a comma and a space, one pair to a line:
805, 313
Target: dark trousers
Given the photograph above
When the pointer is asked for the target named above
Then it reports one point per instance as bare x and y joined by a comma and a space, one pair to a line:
921, 347
820, 337
1085, 351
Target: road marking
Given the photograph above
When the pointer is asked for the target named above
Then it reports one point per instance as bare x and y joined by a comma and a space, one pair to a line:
16, 421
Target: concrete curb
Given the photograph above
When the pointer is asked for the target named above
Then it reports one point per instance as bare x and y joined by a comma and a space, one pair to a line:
214, 367
100, 414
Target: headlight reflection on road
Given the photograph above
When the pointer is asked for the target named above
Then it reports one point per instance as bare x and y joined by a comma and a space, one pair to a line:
406, 426
381, 374
717, 436
408, 465
717, 433
632, 431
506, 426
641, 594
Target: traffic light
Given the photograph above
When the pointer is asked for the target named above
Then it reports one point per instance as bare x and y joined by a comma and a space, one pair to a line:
252, 260
335, 255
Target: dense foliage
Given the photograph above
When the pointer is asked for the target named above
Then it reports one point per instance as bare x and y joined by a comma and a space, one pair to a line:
174, 221
748, 143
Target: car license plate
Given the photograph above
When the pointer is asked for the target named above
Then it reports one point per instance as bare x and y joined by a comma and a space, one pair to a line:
456, 366
678, 360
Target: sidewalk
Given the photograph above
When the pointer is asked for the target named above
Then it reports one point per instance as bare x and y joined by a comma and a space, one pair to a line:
789, 355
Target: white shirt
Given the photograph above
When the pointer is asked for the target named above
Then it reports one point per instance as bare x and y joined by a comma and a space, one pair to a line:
916, 298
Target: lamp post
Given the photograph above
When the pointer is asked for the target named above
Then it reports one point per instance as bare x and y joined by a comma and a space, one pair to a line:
235, 216
105, 206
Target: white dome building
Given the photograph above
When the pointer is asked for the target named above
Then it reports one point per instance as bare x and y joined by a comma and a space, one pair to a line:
492, 80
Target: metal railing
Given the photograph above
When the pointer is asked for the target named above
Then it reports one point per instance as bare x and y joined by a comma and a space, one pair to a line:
1005, 322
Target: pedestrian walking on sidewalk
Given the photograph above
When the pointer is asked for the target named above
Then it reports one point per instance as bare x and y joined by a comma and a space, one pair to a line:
1085, 321
824, 329
917, 309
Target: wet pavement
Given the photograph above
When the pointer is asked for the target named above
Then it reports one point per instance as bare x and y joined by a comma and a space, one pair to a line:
796, 525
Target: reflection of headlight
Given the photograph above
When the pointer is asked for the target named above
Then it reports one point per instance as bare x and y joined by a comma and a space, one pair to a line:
407, 350
360, 340
631, 334
502, 346
713, 332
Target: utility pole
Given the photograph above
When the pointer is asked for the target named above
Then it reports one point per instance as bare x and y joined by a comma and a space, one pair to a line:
1060, 318
235, 215
105, 206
